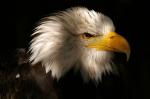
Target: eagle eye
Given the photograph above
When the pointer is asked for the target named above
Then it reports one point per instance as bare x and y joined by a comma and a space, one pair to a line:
86, 35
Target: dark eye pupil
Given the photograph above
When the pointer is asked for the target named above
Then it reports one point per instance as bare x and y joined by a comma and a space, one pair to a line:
88, 35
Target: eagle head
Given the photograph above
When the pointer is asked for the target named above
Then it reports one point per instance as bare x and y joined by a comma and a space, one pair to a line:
77, 38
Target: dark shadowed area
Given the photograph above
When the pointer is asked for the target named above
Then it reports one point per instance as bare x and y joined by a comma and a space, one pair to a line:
18, 20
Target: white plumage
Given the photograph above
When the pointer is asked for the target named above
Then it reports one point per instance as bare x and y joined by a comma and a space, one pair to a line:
58, 47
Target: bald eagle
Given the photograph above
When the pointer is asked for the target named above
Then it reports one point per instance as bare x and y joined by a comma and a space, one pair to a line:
80, 39
69, 53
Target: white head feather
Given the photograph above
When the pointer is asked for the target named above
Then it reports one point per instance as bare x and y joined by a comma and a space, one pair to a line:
57, 46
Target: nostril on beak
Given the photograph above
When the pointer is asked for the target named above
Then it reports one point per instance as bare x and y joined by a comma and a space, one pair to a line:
112, 37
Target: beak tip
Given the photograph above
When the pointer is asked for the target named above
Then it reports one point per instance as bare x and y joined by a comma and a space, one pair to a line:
128, 58
128, 55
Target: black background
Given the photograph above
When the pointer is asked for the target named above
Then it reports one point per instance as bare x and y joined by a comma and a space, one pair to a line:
130, 17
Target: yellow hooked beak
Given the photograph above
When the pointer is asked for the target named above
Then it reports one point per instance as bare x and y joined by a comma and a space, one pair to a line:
111, 42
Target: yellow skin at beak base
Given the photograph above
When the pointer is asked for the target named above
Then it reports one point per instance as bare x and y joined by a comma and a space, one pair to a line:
111, 42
